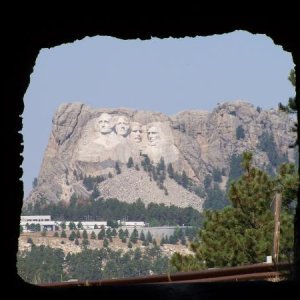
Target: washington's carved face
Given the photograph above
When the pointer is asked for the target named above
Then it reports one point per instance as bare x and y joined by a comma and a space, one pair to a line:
104, 123
136, 132
153, 135
122, 126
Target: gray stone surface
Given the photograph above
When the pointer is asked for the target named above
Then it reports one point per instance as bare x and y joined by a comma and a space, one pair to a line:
193, 141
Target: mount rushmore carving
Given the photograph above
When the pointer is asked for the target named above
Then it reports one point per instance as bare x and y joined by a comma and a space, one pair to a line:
90, 142
117, 138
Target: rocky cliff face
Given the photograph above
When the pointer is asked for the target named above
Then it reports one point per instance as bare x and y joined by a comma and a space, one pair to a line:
98, 143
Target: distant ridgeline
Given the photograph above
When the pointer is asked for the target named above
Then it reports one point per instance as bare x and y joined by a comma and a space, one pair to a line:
186, 160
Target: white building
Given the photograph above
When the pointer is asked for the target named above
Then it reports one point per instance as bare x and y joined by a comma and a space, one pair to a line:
131, 223
47, 224
33, 219
44, 221
87, 224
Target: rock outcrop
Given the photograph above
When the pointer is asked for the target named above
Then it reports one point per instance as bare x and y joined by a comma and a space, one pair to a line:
90, 142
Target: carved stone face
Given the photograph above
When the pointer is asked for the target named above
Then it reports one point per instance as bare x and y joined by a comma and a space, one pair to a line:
153, 135
122, 126
104, 123
136, 132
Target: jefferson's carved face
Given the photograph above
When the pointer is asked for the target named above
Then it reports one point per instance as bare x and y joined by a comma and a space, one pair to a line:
136, 132
104, 123
153, 135
122, 126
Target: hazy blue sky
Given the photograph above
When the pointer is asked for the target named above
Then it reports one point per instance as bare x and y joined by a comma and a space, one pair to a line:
166, 75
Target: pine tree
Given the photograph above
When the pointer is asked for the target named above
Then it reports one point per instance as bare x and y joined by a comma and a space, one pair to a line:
170, 171
105, 243
165, 191
114, 232
184, 180
75, 174
240, 132
130, 162
134, 236
72, 236
161, 165
207, 181
173, 239
84, 234
243, 233
145, 243
149, 237
154, 175
72, 226
93, 235
63, 234
137, 254
166, 239
34, 183
217, 175
95, 194
101, 234
108, 232
291, 107
215, 199
183, 240
235, 168
85, 243
268, 145
121, 234
118, 169
88, 182
142, 236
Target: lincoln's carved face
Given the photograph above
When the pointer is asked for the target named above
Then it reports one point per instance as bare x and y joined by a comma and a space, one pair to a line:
122, 126
153, 135
136, 132
104, 123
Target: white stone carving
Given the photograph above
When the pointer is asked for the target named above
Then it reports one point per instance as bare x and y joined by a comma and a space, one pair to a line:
136, 132
104, 123
99, 139
122, 126
153, 135
160, 142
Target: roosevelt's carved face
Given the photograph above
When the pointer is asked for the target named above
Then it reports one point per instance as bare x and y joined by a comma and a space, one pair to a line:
136, 132
104, 123
153, 135
122, 126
